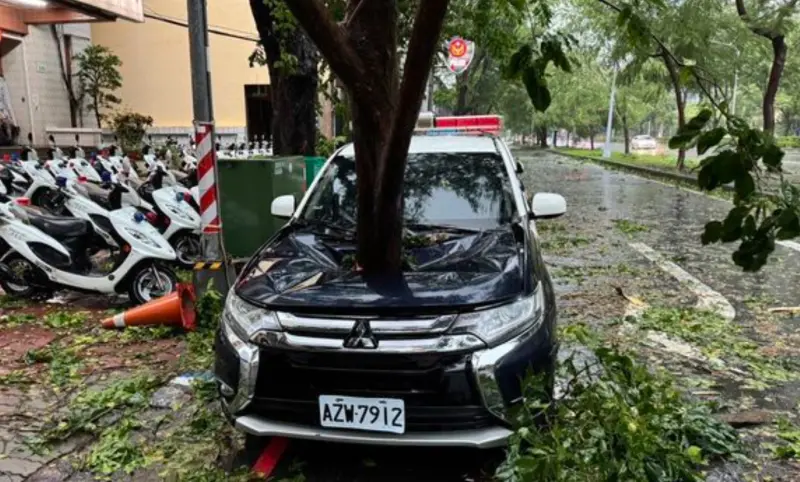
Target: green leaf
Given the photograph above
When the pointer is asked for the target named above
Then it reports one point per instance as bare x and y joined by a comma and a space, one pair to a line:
749, 227
552, 51
745, 186
727, 167
695, 454
537, 88
732, 225
706, 179
710, 139
712, 233
789, 224
519, 61
699, 121
681, 139
773, 155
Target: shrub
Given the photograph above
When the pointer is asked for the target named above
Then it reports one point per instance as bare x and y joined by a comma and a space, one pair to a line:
618, 422
130, 129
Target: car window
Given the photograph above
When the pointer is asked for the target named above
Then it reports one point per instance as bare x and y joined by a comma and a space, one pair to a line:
467, 190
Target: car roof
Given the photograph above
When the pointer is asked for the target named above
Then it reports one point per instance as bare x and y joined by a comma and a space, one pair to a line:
424, 144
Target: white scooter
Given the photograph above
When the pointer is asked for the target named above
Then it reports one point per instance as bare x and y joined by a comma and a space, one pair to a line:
175, 219
82, 167
40, 254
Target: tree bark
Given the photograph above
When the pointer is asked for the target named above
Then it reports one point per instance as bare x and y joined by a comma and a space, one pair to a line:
293, 93
680, 102
97, 112
555, 138
591, 141
542, 135
362, 53
626, 133
779, 50
775, 73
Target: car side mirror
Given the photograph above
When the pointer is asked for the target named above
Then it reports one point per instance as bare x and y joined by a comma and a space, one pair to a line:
283, 206
547, 205
519, 168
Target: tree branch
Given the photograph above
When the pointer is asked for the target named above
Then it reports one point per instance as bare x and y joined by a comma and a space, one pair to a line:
742, 12
331, 41
421, 48
349, 18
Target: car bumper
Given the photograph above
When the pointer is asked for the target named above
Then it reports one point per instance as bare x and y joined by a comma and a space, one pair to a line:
462, 403
483, 438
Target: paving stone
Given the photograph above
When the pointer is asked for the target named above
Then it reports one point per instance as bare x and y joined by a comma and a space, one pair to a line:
56, 472
14, 466
11, 478
169, 396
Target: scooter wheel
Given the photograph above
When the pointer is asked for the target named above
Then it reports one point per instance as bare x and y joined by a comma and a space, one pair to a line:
19, 267
187, 247
151, 282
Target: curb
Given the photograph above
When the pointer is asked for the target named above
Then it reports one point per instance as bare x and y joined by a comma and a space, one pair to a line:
649, 171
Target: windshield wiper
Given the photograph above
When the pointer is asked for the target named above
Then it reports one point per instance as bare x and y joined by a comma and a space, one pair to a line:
345, 233
440, 227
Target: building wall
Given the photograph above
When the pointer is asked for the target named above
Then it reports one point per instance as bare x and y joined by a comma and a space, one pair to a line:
49, 101
156, 69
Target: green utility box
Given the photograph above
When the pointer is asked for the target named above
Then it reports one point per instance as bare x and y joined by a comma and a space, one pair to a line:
313, 167
246, 190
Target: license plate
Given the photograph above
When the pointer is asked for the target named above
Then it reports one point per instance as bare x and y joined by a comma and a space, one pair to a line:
372, 414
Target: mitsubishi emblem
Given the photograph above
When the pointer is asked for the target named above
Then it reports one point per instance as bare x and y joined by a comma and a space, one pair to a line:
361, 336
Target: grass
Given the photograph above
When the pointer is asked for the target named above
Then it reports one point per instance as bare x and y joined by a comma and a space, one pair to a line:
659, 161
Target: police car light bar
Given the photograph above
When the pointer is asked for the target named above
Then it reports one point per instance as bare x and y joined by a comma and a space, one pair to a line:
459, 125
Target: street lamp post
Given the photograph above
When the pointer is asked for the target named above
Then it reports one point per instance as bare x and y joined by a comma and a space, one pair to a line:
735, 74
607, 146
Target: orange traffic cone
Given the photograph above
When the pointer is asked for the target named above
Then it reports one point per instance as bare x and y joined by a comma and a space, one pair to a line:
176, 308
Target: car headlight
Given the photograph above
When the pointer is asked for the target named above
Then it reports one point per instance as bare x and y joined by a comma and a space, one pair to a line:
497, 325
245, 319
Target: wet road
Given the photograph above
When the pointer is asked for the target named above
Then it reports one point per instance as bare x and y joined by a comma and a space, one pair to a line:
675, 218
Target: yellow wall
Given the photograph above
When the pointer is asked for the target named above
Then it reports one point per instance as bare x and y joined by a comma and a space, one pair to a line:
156, 71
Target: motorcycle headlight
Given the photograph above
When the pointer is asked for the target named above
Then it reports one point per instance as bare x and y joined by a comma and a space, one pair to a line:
496, 325
245, 319
140, 236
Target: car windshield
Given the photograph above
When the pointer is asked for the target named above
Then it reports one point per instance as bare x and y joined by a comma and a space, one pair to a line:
468, 191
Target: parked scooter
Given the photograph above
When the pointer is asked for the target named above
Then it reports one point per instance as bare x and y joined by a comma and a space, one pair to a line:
40, 254
175, 219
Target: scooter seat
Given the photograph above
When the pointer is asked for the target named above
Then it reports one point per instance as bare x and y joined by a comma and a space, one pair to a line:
61, 227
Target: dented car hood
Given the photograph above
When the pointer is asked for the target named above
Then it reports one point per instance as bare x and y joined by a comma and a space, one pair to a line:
304, 271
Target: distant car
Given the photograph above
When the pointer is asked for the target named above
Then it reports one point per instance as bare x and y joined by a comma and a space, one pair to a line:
643, 142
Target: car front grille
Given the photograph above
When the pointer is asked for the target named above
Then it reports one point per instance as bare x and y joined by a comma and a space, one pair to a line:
438, 391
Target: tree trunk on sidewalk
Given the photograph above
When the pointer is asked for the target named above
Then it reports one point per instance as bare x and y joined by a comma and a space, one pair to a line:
775, 72
542, 135
680, 102
591, 141
293, 93
362, 52
779, 51
626, 133
555, 138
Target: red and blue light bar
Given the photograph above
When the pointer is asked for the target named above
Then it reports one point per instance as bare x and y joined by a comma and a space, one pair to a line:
460, 125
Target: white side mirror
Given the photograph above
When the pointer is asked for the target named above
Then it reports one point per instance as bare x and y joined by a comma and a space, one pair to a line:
548, 205
283, 206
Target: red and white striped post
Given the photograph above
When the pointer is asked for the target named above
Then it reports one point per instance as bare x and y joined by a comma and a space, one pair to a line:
210, 222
